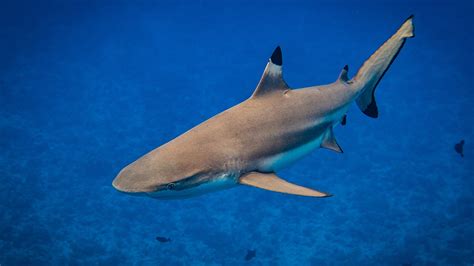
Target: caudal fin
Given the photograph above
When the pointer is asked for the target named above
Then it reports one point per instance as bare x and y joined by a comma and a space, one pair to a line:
372, 71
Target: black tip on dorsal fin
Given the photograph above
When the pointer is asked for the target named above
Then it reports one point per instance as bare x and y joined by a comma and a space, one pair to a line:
272, 78
343, 76
276, 57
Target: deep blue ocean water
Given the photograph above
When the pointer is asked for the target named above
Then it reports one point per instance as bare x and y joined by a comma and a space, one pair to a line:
88, 87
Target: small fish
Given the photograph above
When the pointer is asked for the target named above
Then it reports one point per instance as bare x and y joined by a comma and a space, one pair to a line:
163, 239
459, 148
250, 254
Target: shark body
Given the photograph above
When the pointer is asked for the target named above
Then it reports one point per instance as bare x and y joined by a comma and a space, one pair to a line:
249, 142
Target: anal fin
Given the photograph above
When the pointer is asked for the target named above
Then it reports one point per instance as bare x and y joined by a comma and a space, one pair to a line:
344, 120
270, 181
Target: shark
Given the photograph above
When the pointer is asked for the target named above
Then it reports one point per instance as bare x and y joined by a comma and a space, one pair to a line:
250, 142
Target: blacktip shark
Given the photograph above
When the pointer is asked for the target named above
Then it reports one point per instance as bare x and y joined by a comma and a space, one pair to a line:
249, 142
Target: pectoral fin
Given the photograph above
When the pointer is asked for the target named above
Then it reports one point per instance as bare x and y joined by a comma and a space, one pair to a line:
270, 181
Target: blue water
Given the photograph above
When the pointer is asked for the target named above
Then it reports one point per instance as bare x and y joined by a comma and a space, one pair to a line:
86, 88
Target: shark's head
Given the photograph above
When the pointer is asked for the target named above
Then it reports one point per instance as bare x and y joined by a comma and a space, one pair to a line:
138, 181
146, 177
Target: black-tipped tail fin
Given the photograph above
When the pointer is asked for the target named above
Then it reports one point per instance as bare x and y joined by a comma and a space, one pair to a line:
372, 71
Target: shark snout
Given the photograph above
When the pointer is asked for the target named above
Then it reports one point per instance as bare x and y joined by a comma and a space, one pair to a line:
129, 181
120, 183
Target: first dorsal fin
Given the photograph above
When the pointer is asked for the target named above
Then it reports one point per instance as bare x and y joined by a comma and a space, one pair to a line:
272, 78
270, 181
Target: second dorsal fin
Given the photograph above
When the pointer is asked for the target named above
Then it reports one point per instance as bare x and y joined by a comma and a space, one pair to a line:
272, 78
343, 75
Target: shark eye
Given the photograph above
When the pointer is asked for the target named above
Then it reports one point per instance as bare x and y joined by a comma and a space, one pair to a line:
170, 186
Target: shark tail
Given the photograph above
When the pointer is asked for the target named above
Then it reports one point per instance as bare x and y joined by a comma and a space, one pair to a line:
372, 71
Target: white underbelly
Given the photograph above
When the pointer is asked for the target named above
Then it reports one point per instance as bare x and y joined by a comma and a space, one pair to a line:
223, 181
283, 159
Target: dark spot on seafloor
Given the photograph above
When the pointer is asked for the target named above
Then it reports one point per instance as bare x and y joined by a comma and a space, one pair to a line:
163, 239
250, 254
459, 148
